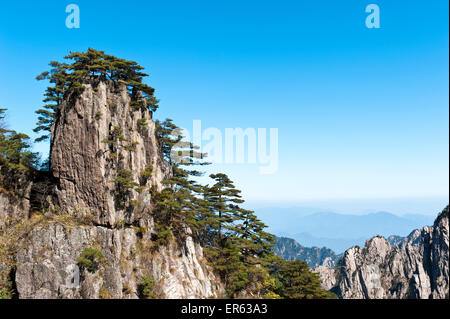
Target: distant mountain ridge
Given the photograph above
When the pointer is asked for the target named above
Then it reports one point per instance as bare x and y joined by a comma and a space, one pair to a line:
289, 249
338, 231
338, 245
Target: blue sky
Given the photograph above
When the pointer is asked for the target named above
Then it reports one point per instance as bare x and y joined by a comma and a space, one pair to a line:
361, 113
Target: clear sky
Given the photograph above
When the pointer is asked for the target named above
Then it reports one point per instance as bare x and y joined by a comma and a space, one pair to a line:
361, 113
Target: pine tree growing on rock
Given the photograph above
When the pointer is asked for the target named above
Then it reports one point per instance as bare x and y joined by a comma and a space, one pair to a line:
15, 149
85, 67
181, 201
54, 96
296, 281
222, 198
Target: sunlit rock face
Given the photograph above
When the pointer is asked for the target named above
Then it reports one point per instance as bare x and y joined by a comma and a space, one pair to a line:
416, 268
47, 266
98, 136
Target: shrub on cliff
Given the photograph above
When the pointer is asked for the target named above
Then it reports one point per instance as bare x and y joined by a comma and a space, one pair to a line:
15, 148
90, 259
146, 287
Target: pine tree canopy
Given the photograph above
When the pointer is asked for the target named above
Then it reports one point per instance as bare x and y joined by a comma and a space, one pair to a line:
15, 148
297, 281
83, 68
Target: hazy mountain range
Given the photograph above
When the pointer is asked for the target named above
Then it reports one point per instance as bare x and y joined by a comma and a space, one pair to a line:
338, 231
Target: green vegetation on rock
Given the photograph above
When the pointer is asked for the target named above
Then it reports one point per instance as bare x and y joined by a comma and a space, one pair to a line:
146, 287
90, 259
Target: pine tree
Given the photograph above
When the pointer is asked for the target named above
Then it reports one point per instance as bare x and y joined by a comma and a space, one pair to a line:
241, 247
296, 281
3, 129
228, 263
250, 231
255, 243
182, 197
15, 148
168, 135
95, 63
84, 67
54, 96
222, 198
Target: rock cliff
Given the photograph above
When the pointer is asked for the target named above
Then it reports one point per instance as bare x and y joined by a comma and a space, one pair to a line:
105, 164
98, 137
415, 268
47, 265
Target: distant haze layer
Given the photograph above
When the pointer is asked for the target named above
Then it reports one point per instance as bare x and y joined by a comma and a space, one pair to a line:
338, 231
397, 206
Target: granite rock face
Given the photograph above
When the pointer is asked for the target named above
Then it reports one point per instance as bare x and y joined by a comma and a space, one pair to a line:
47, 267
106, 164
15, 193
415, 268
97, 137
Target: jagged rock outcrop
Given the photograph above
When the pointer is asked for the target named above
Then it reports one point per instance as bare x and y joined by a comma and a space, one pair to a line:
47, 265
416, 268
97, 136
395, 240
106, 165
12, 209
289, 249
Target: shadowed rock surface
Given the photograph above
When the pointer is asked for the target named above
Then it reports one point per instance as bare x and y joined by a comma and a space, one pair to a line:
289, 249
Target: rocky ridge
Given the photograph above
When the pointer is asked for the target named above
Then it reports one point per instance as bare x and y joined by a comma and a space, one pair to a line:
415, 268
